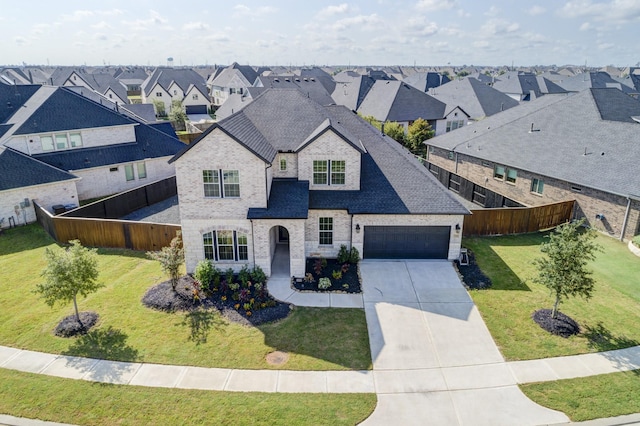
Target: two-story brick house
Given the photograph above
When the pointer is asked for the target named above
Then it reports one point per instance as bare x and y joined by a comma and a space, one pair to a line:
286, 170
583, 147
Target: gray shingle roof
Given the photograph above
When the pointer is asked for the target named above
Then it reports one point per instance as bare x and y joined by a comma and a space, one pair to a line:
245, 73
13, 97
397, 101
54, 114
426, 80
20, 170
392, 181
149, 143
595, 80
474, 97
181, 76
310, 86
566, 126
289, 199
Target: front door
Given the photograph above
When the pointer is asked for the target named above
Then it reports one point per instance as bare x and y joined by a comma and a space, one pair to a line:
283, 234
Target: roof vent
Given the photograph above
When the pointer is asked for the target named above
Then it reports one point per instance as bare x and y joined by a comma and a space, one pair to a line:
533, 130
276, 80
297, 79
312, 79
306, 79
287, 80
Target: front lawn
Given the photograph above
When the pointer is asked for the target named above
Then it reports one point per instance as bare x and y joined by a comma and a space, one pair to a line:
608, 321
316, 339
607, 395
79, 402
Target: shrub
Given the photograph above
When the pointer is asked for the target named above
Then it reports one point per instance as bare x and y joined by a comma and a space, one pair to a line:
244, 276
258, 275
318, 265
229, 276
636, 240
345, 268
337, 274
343, 254
234, 286
245, 295
354, 255
308, 278
204, 273
324, 283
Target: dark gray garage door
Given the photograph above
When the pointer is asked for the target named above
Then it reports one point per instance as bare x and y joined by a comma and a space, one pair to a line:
406, 242
196, 109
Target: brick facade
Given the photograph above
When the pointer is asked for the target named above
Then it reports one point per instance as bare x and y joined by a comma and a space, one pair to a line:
46, 195
589, 202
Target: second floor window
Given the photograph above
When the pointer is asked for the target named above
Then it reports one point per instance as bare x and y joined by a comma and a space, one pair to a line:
329, 172
537, 186
60, 141
283, 164
221, 183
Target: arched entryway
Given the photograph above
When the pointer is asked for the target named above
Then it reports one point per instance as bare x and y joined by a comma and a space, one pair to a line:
280, 256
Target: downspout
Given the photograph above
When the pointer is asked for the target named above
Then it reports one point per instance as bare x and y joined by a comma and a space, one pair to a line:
351, 231
626, 219
253, 244
266, 182
456, 162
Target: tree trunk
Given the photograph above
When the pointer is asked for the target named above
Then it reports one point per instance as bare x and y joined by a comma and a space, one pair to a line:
554, 313
75, 305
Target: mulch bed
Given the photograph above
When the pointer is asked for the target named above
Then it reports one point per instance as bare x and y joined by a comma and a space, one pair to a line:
562, 326
472, 275
349, 283
70, 327
162, 297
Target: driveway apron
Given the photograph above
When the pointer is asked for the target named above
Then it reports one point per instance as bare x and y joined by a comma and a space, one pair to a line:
434, 360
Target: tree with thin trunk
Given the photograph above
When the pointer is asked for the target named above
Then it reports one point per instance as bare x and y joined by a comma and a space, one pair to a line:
564, 269
69, 272
170, 258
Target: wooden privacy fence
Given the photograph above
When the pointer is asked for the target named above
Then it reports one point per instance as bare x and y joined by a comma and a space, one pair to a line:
517, 220
106, 232
129, 201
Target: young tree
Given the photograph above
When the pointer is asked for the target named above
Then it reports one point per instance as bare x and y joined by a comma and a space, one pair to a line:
563, 270
419, 131
178, 113
371, 120
69, 272
395, 131
159, 107
170, 258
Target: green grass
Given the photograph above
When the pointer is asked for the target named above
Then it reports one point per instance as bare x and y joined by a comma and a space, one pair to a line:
316, 339
78, 402
608, 321
607, 395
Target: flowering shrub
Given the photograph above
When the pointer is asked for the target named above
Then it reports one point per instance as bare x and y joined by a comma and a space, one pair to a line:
324, 283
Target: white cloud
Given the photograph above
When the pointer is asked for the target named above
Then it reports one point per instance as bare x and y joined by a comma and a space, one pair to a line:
605, 46
420, 27
20, 41
536, 10
363, 22
242, 10
499, 26
586, 26
615, 11
79, 15
191, 26
493, 11
333, 10
433, 5
100, 36
155, 20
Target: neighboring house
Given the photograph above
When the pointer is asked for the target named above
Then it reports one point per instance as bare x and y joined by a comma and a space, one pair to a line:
286, 170
177, 84
109, 151
426, 80
101, 82
581, 147
310, 86
595, 80
391, 100
132, 79
351, 89
474, 97
525, 87
233, 79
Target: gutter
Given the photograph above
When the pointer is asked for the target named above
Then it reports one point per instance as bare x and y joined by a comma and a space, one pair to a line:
626, 219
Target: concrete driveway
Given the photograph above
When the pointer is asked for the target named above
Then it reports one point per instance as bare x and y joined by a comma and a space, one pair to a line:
434, 361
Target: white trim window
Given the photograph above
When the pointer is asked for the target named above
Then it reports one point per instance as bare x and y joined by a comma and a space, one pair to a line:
221, 183
325, 231
454, 124
225, 246
61, 141
283, 164
142, 170
537, 186
512, 175
128, 172
329, 172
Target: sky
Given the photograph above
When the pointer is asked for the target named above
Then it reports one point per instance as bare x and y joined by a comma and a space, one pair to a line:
310, 32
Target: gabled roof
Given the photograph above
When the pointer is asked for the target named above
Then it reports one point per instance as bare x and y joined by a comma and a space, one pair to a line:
397, 101
474, 97
183, 77
587, 139
54, 114
426, 80
246, 74
149, 143
350, 92
595, 80
20, 170
13, 97
310, 86
392, 181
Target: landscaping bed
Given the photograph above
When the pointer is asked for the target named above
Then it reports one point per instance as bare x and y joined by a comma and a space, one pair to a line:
344, 277
472, 276
248, 304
